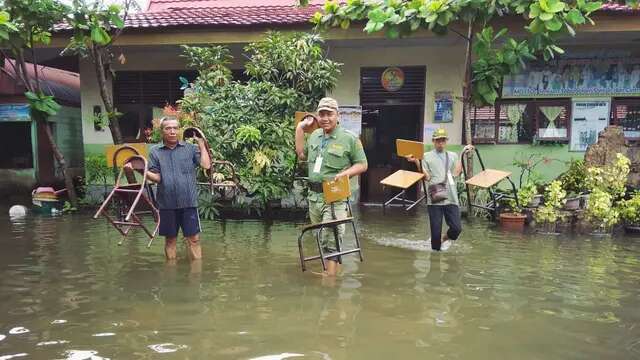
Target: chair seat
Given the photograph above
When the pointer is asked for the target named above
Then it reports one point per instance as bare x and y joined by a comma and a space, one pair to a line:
330, 223
488, 178
402, 179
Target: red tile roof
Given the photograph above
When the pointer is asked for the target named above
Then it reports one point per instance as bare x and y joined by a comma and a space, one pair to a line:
157, 5
243, 13
222, 16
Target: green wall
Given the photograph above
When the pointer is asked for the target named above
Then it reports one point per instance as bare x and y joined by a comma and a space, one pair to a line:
68, 135
501, 157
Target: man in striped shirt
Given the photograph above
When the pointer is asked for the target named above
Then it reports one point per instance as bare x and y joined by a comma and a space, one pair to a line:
172, 165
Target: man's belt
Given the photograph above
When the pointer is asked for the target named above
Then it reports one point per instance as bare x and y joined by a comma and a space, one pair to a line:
315, 186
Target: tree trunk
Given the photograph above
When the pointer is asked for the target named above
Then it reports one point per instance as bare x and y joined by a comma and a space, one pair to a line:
68, 180
466, 115
106, 95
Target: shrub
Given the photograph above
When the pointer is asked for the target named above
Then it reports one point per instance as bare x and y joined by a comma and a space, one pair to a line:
251, 124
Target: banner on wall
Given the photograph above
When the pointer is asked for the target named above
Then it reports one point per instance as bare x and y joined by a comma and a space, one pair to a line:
589, 117
351, 118
14, 112
443, 107
576, 77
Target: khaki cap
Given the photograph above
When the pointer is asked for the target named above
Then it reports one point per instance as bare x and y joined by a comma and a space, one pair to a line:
328, 104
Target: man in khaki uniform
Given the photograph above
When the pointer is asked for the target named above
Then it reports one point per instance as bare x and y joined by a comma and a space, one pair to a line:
331, 152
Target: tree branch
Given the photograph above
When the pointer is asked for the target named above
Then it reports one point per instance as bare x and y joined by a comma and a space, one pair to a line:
468, 39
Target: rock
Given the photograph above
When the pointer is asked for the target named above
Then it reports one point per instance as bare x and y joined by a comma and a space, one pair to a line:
610, 142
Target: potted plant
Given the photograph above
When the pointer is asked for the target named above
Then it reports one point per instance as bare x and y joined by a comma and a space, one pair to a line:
515, 219
572, 203
630, 213
548, 214
607, 184
535, 201
574, 182
600, 213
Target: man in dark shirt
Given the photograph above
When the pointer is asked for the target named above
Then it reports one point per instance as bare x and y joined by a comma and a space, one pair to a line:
172, 165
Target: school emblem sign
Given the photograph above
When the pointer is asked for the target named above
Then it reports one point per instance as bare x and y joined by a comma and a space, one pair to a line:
392, 79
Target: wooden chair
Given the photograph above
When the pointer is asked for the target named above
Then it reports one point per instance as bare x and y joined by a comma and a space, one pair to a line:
136, 199
403, 179
334, 191
487, 179
222, 174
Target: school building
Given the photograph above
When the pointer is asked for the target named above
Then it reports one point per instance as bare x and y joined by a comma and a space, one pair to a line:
27, 159
405, 88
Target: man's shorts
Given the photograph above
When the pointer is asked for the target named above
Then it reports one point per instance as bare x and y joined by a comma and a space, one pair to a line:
171, 220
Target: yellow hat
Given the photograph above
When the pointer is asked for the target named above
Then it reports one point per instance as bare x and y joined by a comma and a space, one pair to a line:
439, 134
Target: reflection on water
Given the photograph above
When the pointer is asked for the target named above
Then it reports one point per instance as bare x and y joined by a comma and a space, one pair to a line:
69, 292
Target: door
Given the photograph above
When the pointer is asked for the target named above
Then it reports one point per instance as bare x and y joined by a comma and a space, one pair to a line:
381, 126
391, 109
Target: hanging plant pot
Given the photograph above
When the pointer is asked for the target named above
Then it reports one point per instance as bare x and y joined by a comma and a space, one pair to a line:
548, 228
572, 204
512, 221
535, 202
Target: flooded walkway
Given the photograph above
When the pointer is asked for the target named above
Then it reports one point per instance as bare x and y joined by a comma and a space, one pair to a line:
69, 292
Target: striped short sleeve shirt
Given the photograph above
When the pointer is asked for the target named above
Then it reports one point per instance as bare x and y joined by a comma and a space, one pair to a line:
177, 168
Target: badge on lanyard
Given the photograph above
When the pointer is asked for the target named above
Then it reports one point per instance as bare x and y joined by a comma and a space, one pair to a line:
318, 164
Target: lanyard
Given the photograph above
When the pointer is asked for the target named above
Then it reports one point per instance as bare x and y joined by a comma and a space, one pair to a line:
323, 144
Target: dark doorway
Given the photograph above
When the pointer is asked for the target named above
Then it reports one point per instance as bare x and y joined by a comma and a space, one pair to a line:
387, 116
16, 147
381, 126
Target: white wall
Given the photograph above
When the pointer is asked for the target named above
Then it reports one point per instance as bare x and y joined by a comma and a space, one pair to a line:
445, 72
444, 61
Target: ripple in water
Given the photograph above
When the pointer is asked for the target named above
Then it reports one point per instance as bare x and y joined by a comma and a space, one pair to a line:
18, 330
277, 357
104, 334
167, 347
415, 245
52, 342
82, 355
7, 357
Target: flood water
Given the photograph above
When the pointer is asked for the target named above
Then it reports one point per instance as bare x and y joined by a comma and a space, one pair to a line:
68, 291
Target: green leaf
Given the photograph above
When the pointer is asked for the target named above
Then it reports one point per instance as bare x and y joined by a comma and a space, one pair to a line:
393, 32
574, 16
592, 6
545, 16
554, 24
556, 6
100, 36
31, 96
534, 11
4, 17
117, 21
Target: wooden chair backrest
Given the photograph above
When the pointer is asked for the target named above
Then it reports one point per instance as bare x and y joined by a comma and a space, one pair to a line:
406, 148
118, 154
334, 191
301, 115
